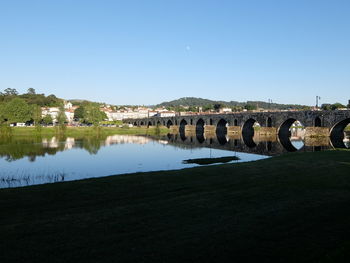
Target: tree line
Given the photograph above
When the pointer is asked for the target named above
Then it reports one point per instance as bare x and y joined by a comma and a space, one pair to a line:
334, 106
27, 108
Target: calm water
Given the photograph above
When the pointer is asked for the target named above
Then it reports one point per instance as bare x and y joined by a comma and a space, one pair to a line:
27, 161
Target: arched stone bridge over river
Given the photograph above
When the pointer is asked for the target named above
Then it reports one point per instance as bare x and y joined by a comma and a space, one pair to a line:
316, 123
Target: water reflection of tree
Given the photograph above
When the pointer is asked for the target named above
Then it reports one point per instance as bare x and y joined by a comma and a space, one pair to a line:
17, 147
92, 144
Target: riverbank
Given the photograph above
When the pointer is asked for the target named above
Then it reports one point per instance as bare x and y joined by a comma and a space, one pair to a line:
292, 208
79, 131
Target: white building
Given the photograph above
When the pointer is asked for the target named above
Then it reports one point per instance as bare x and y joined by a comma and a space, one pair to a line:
52, 111
166, 114
224, 110
69, 115
68, 105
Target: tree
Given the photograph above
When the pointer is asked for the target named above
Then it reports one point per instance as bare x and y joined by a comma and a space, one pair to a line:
217, 106
208, 107
79, 113
193, 109
92, 114
337, 106
326, 106
36, 114
47, 119
250, 107
17, 110
31, 91
61, 117
9, 92
2, 111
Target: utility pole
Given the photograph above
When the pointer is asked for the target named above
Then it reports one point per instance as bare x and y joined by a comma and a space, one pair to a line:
317, 98
270, 102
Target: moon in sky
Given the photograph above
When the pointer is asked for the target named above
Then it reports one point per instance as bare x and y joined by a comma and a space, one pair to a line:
188, 48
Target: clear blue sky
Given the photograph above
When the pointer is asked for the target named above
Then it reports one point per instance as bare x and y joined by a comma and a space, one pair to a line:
146, 52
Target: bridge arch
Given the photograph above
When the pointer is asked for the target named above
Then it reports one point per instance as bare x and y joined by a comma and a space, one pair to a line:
158, 123
248, 132
135, 123
284, 129
200, 126
200, 130
337, 133
221, 127
169, 123
269, 122
149, 123
200, 138
318, 122
141, 123
183, 124
248, 127
284, 134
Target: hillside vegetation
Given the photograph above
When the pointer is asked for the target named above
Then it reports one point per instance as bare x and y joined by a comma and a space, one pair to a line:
199, 102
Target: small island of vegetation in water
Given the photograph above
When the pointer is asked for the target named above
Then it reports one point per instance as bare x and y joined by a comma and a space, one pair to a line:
205, 161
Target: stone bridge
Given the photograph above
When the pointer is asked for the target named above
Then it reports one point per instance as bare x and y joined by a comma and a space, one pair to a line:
316, 123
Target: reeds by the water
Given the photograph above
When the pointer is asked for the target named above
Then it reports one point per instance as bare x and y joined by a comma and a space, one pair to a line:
24, 178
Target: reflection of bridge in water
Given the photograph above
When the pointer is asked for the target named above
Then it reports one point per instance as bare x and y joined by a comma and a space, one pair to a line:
264, 145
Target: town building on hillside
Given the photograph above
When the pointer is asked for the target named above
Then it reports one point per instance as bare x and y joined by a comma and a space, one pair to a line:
52, 111
69, 115
166, 114
68, 105
225, 110
138, 113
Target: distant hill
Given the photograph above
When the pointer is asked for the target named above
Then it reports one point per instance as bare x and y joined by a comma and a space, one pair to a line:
199, 102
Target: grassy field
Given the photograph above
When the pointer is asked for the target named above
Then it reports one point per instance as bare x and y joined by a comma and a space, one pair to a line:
292, 208
78, 131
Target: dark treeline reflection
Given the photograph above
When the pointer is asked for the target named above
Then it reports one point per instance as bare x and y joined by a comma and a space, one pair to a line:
13, 148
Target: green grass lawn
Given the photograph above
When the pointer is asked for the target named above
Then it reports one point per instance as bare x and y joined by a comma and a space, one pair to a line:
78, 131
292, 208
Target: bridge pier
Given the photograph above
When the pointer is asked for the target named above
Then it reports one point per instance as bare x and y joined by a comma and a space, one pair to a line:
190, 128
234, 136
267, 131
209, 128
234, 129
174, 128
317, 132
317, 141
